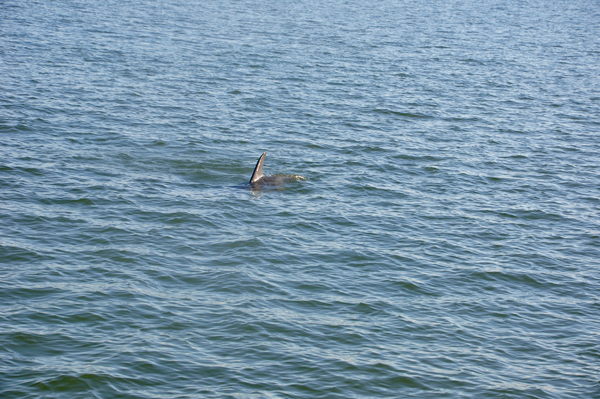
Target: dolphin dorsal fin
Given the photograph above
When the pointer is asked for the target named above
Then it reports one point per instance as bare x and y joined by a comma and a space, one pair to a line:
258, 173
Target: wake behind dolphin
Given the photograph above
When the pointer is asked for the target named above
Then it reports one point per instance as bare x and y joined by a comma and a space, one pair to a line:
259, 180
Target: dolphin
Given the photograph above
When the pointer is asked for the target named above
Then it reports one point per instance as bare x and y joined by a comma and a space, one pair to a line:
257, 175
259, 180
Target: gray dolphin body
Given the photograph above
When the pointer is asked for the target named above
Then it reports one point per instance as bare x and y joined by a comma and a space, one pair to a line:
259, 180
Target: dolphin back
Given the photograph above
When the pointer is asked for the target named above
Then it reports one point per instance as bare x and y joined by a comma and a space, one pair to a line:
258, 170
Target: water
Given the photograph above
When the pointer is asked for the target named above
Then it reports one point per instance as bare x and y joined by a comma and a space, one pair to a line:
445, 242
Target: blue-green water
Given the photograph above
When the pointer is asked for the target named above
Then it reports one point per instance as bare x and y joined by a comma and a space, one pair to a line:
446, 242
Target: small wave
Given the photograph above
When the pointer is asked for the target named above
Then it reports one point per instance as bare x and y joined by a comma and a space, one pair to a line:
402, 114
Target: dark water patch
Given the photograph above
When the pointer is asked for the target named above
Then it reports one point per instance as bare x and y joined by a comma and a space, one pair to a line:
13, 253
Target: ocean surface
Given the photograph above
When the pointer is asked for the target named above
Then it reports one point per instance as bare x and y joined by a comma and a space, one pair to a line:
445, 242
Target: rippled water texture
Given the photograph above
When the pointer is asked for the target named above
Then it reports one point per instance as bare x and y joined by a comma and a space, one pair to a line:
445, 242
